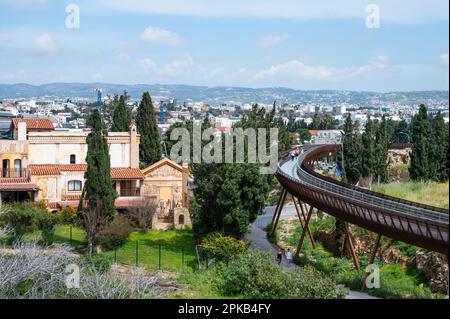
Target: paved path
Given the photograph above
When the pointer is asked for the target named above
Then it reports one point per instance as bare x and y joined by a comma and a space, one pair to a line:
258, 239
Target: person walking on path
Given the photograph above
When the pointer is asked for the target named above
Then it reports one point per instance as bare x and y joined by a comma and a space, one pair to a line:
279, 257
292, 153
289, 256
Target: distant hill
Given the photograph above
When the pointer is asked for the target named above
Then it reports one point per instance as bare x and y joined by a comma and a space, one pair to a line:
215, 94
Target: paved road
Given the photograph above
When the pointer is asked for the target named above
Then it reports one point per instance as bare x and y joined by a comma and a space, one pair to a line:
258, 239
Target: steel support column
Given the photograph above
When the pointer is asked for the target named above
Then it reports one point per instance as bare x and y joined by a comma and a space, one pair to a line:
372, 260
311, 237
349, 238
302, 238
278, 212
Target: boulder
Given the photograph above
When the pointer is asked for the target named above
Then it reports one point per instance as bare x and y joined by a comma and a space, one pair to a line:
435, 268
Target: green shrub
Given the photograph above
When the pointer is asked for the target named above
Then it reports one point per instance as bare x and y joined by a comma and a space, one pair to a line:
46, 223
255, 275
116, 233
396, 282
308, 283
223, 247
101, 262
68, 215
20, 217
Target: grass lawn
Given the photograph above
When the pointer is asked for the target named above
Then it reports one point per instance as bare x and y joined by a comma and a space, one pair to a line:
176, 247
167, 250
62, 235
433, 194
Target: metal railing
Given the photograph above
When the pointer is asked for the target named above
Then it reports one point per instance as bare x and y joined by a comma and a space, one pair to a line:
130, 192
13, 173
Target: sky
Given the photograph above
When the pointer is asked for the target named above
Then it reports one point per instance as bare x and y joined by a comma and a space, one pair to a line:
373, 45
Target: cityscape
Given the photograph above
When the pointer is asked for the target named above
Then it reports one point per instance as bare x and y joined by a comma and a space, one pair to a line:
221, 157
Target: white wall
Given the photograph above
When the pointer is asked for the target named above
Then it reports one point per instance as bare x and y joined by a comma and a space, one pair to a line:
60, 154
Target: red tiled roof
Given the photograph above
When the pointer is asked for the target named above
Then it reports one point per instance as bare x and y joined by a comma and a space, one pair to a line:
17, 180
19, 187
119, 202
44, 170
34, 123
126, 173
56, 169
17, 184
71, 197
72, 167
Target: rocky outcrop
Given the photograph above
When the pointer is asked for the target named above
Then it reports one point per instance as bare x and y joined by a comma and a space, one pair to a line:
398, 157
435, 268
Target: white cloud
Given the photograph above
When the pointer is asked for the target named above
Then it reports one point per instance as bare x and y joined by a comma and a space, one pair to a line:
161, 36
179, 67
296, 70
44, 44
380, 62
272, 40
444, 59
412, 11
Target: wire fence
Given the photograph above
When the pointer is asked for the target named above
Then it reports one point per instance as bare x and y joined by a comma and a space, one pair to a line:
155, 256
152, 254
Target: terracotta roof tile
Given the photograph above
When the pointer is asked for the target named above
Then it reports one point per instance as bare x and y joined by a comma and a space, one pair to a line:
56, 169
34, 123
45, 169
19, 187
126, 173
18, 180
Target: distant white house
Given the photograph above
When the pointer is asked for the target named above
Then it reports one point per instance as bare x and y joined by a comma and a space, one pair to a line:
326, 136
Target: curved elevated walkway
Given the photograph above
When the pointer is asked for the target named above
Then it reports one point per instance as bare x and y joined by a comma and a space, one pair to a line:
416, 224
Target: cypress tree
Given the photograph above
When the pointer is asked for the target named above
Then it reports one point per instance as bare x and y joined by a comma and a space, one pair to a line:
439, 150
352, 152
369, 160
419, 169
98, 190
121, 117
150, 150
352, 171
381, 152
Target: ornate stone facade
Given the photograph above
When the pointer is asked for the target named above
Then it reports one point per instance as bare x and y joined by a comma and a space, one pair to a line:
168, 182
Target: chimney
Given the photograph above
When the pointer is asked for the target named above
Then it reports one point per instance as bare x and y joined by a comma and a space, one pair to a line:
22, 131
134, 146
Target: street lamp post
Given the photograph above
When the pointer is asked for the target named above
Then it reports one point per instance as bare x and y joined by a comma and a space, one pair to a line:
407, 135
342, 152
165, 148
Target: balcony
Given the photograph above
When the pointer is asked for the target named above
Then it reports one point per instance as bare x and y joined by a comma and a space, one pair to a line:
130, 192
13, 173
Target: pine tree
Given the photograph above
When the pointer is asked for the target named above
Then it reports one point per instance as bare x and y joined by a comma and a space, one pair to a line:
439, 150
122, 116
419, 169
369, 160
381, 152
150, 150
98, 191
